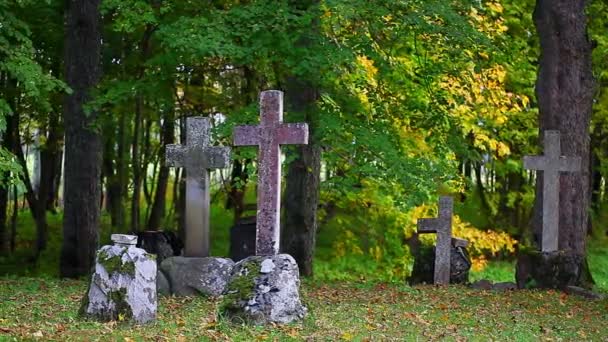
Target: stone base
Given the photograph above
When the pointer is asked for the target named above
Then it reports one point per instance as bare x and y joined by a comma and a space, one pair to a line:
424, 265
123, 287
264, 289
194, 276
557, 270
242, 239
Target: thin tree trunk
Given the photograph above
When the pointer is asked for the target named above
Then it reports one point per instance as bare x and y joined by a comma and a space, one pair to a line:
135, 157
158, 206
83, 145
14, 216
118, 204
4, 229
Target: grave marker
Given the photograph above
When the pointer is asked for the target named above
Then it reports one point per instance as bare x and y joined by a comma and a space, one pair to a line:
442, 226
197, 157
269, 135
551, 163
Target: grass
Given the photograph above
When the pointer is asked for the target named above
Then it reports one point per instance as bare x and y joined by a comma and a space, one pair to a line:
345, 303
46, 309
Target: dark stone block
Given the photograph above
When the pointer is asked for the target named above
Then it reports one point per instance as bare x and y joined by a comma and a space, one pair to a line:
163, 244
557, 270
424, 265
242, 239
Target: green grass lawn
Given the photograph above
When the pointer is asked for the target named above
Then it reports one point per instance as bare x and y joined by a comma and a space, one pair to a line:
46, 309
345, 303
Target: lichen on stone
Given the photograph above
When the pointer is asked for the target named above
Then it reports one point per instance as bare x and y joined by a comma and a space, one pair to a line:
240, 289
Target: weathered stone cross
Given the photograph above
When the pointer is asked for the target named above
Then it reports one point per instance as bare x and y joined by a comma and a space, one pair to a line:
197, 157
443, 227
269, 135
551, 163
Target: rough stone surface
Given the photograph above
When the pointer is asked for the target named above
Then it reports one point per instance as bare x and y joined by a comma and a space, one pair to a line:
552, 163
482, 284
158, 243
442, 226
163, 288
193, 276
269, 136
123, 286
264, 289
557, 270
504, 286
424, 263
197, 157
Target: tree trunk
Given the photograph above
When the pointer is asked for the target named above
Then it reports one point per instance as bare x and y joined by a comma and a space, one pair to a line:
158, 206
14, 216
50, 162
83, 145
4, 228
135, 200
564, 92
302, 190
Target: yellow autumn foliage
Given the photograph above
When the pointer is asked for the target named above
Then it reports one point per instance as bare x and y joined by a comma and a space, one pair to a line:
483, 245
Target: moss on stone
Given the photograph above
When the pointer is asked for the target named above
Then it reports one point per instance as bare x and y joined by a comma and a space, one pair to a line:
240, 289
115, 263
122, 309
84, 303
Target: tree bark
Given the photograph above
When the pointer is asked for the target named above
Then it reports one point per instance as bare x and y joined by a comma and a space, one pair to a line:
135, 200
83, 144
303, 178
158, 207
564, 91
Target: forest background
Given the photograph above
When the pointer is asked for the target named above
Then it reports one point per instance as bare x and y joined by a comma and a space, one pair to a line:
406, 100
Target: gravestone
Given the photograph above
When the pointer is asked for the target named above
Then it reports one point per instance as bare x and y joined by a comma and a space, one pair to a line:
242, 238
197, 157
123, 285
163, 244
551, 163
424, 262
442, 226
269, 136
265, 288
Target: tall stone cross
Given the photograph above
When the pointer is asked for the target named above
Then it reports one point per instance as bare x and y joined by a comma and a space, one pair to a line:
442, 226
197, 157
551, 163
269, 135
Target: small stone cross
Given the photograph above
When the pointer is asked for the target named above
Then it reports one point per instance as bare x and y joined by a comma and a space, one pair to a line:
551, 163
197, 157
269, 135
443, 227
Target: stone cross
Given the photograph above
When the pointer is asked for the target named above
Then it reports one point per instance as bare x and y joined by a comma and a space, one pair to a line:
551, 163
124, 240
197, 157
269, 135
442, 226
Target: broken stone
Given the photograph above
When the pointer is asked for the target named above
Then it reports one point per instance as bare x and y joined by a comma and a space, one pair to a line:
123, 286
504, 286
163, 288
264, 289
193, 276
482, 284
